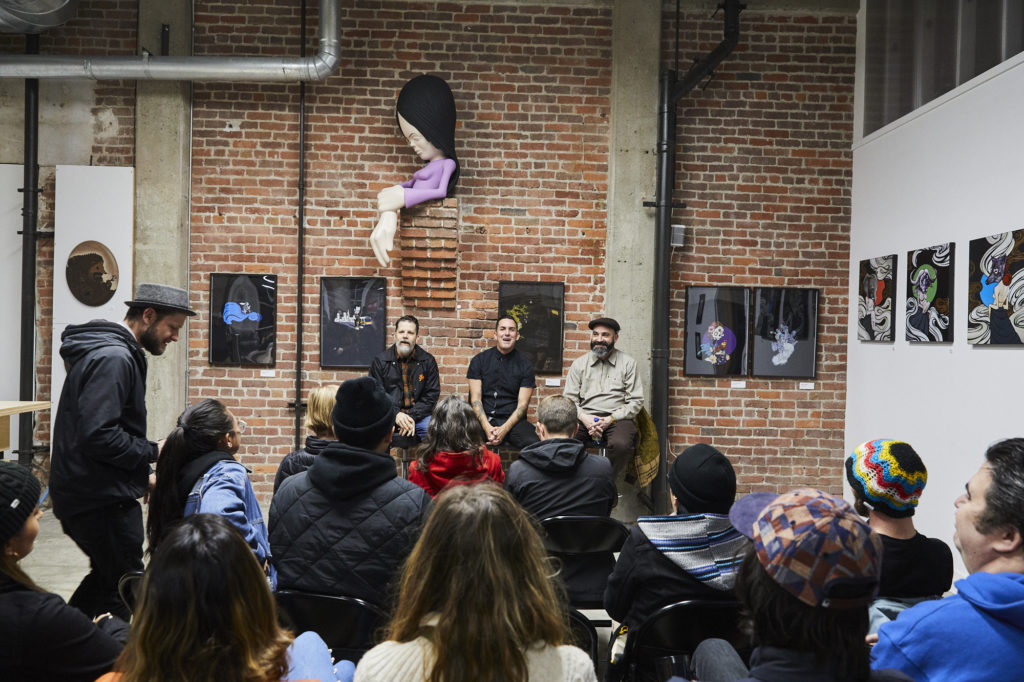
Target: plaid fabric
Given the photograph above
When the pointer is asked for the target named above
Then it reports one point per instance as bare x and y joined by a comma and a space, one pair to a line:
888, 474
643, 465
811, 542
407, 369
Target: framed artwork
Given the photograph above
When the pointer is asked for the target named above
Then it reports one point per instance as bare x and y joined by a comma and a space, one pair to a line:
353, 320
877, 291
784, 340
91, 273
243, 319
930, 294
716, 331
539, 310
995, 290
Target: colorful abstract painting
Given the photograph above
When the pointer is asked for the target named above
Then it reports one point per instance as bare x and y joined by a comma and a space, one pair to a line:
995, 290
716, 331
929, 308
875, 296
784, 341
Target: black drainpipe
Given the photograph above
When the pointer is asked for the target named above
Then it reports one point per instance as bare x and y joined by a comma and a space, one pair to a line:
300, 273
671, 91
30, 214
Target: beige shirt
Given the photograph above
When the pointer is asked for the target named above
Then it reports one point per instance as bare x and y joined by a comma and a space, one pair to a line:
605, 387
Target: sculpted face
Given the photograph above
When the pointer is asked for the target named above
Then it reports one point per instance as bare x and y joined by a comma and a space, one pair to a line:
406, 338
419, 144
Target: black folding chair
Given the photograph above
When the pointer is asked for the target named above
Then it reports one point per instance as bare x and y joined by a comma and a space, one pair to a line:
584, 635
128, 588
584, 541
348, 625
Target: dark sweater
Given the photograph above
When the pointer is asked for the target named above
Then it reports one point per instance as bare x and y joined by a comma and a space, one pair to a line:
918, 567
300, 460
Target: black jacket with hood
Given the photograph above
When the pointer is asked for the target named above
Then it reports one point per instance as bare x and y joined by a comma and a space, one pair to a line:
426, 383
345, 525
100, 452
300, 460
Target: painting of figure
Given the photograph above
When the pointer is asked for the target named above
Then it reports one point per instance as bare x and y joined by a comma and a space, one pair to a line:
995, 290
875, 299
716, 331
243, 319
537, 309
353, 312
785, 338
929, 309
91, 273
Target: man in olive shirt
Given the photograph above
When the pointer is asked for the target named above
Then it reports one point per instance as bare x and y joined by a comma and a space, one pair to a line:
606, 388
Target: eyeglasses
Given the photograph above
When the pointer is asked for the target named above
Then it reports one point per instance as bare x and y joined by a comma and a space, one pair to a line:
241, 426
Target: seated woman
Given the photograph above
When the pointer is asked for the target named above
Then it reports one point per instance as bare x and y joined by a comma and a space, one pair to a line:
454, 451
477, 601
197, 473
318, 420
41, 637
205, 613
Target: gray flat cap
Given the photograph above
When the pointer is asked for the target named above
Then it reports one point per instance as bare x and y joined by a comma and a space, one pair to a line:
161, 297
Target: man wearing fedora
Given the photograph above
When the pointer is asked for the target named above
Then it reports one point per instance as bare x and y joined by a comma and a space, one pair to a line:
606, 388
101, 460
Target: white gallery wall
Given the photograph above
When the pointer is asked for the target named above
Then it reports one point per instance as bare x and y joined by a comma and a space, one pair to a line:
951, 171
11, 179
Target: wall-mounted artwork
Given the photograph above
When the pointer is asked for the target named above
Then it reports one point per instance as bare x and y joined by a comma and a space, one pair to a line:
930, 294
91, 273
538, 309
353, 320
784, 340
243, 319
716, 331
877, 291
995, 290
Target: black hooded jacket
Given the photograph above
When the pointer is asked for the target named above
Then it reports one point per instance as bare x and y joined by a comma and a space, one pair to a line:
300, 460
345, 525
100, 452
426, 383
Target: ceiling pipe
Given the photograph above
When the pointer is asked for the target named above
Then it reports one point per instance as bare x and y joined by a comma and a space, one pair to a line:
34, 16
150, 67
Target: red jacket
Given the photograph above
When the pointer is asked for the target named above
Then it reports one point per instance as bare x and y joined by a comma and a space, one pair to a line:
456, 468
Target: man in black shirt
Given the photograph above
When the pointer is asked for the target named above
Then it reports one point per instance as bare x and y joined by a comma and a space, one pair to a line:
501, 382
410, 378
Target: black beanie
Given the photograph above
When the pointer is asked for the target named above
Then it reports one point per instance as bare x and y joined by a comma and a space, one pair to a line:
363, 413
703, 481
19, 495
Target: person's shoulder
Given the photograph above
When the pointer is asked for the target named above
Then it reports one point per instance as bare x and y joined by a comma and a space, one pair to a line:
392, 660
576, 663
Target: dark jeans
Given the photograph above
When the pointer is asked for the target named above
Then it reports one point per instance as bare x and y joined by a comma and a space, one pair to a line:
519, 436
619, 441
715, 660
112, 539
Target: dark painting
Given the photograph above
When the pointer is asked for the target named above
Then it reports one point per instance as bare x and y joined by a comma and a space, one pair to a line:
875, 296
92, 273
784, 341
353, 314
930, 294
537, 307
243, 319
716, 331
995, 290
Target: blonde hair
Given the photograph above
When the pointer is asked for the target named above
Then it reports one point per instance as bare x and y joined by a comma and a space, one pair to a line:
319, 405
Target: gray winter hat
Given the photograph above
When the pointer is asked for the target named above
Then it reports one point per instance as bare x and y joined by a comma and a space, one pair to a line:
161, 297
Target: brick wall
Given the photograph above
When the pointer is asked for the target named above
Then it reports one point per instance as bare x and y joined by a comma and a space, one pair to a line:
764, 165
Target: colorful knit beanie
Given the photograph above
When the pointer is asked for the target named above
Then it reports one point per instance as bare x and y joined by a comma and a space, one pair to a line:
888, 475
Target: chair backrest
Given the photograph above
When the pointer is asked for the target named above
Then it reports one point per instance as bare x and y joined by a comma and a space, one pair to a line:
348, 625
676, 630
580, 535
584, 635
128, 588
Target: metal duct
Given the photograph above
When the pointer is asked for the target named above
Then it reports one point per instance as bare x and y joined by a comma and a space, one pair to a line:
149, 67
34, 16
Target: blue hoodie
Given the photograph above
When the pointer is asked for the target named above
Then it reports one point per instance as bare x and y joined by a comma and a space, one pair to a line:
976, 634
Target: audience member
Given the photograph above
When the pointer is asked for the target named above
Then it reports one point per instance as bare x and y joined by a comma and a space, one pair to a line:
454, 452
41, 637
476, 601
197, 473
556, 477
345, 525
205, 614
410, 378
693, 554
977, 633
887, 478
501, 382
605, 387
805, 586
318, 420
101, 459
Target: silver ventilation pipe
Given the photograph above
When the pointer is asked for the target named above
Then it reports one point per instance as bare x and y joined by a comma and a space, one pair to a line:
34, 16
149, 67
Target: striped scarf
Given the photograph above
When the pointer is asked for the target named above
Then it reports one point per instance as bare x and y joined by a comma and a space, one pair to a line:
704, 545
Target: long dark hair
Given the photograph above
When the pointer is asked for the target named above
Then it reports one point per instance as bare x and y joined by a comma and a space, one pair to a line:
777, 618
454, 427
199, 430
205, 612
481, 566
428, 104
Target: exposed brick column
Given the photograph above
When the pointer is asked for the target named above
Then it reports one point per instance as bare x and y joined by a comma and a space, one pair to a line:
429, 242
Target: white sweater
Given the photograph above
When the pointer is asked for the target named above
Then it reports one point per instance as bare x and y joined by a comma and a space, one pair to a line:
408, 661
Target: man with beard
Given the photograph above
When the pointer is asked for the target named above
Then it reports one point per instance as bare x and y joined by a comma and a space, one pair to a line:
501, 383
606, 389
101, 460
410, 378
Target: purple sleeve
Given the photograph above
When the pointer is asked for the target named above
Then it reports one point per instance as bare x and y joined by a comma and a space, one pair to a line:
429, 182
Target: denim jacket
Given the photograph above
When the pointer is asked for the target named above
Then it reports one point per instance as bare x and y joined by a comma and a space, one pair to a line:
225, 490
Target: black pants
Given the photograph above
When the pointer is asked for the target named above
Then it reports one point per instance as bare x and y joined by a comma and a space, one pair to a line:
715, 660
619, 441
111, 537
523, 433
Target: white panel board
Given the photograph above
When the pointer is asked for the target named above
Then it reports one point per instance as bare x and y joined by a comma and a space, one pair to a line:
11, 178
92, 203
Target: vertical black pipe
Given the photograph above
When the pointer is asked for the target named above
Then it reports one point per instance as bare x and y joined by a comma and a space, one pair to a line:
300, 257
30, 215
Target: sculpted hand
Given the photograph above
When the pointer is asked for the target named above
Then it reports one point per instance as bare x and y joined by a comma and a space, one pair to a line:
405, 424
383, 237
391, 198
